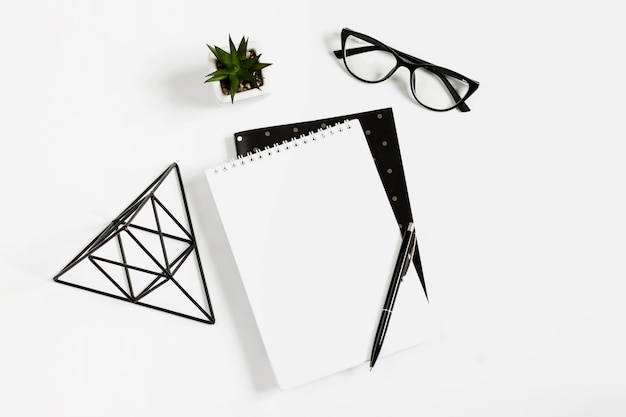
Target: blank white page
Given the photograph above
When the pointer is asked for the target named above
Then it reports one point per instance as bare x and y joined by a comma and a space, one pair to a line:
315, 241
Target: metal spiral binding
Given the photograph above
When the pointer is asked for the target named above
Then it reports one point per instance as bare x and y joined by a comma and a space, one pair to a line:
285, 145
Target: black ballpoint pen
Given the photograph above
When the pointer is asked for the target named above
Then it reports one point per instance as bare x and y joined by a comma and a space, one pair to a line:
402, 265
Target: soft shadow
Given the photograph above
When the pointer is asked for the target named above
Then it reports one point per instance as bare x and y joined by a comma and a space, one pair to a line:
332, 42
188, 88
235, 300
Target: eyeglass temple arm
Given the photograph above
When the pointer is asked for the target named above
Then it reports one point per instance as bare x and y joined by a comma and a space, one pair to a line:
354, 51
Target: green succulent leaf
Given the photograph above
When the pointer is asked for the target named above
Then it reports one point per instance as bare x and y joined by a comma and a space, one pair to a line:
234, 55
222, 56
234, 85
259, 66
254, 64
243, 49
218, 75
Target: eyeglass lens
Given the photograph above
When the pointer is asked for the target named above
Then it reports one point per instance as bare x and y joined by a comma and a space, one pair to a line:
367, 61
434, 89
431, 87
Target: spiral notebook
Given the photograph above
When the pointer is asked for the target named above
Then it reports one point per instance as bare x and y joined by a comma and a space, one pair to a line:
379, 129
315, 242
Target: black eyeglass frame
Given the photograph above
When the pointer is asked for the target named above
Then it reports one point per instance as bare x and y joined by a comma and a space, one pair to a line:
411, 63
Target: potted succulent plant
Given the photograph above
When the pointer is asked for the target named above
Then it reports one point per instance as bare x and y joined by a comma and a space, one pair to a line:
237, 73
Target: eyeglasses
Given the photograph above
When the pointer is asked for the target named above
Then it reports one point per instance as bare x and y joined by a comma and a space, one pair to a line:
434, 87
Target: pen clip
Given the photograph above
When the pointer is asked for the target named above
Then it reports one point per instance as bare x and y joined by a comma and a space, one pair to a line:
409, 256
411, 242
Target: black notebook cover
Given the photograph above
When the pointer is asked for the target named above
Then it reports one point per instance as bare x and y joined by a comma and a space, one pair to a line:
380, 130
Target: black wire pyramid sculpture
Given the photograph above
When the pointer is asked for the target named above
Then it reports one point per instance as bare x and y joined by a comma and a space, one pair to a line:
143, 255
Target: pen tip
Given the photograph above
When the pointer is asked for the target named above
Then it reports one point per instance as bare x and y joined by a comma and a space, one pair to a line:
371, 367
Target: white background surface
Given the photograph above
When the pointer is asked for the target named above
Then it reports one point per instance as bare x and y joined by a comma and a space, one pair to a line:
519, 203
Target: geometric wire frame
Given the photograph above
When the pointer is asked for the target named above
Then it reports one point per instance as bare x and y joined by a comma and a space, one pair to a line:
160, 262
